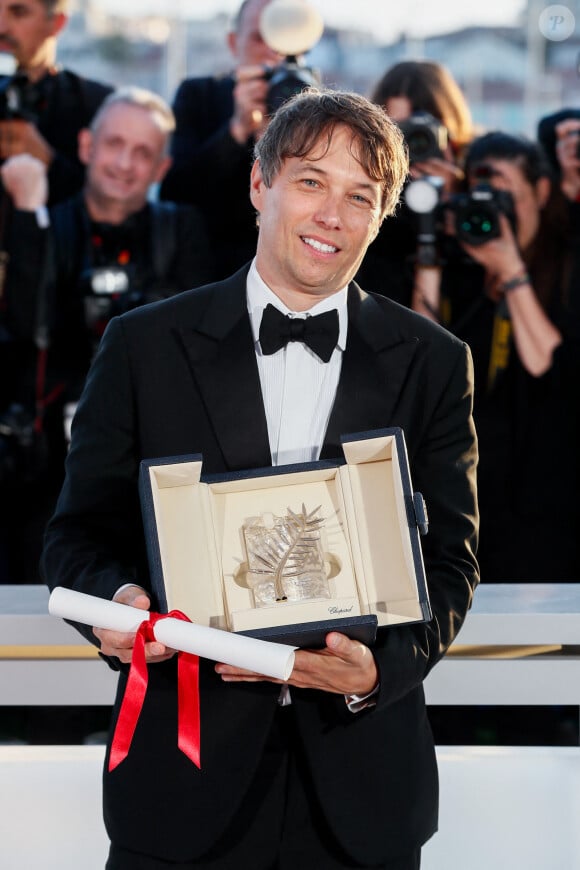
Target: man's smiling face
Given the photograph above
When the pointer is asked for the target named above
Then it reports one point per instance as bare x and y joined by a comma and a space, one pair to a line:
316, 221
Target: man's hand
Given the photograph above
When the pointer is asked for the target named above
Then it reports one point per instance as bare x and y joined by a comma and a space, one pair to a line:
22, 137
120, 644
451, 174
344, 667
25, 180
250, 93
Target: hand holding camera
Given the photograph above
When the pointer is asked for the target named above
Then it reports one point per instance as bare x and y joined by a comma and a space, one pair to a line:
250, 93
429, 150
21, 137
20, 103
484, 223
500, 257
288, 29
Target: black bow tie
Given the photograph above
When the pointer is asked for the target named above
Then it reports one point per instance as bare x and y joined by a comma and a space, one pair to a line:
320, 332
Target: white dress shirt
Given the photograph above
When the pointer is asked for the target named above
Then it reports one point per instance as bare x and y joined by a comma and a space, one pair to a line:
298, 388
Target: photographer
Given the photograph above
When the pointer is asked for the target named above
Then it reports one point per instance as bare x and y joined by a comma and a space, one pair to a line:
427, 103
218, 120
513, 298
42, 108
84, 261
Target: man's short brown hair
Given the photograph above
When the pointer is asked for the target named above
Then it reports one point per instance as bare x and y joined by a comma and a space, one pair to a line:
299, 125
55, 7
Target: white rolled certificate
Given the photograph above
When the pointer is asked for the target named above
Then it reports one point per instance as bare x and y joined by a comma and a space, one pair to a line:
274, 660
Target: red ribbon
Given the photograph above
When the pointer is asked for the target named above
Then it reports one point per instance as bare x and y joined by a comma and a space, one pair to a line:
188, 716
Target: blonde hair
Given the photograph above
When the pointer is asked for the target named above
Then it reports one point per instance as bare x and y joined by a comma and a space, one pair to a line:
142, 99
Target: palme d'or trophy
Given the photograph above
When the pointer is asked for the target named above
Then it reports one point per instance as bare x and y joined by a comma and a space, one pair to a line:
285, 557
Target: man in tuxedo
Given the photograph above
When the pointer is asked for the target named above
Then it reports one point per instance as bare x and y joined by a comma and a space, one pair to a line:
344, 775
217, 121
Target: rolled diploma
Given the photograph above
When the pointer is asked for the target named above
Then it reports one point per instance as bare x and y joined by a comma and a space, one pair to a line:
274, 660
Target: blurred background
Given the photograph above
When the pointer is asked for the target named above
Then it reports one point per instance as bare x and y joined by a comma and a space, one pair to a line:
514, 60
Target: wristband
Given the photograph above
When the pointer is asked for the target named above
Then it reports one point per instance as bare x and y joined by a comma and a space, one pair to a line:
42, 217
518, 281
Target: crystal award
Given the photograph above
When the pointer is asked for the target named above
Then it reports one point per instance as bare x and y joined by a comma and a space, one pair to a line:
285, 557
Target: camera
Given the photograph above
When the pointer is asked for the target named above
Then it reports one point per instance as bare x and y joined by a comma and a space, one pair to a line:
477, 213
291, 28
107, 291
20, 99
425, 136
288, 78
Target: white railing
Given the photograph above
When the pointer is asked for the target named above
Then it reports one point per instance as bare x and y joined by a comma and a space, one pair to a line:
516, 647
512, 807
501, 807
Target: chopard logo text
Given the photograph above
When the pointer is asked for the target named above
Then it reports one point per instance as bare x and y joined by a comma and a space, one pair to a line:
335, 610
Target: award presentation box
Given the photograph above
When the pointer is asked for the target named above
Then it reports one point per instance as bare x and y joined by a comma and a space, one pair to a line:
370, 540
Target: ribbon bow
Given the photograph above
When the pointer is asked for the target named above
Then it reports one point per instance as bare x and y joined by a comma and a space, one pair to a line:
319, 333
188, 718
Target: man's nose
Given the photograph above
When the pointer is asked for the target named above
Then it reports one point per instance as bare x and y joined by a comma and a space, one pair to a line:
329, 212
124, 158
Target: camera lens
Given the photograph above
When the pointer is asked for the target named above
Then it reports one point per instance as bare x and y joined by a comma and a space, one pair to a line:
477, 224
420, 144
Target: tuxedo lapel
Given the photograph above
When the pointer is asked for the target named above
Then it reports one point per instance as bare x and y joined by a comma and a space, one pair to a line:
221, 355
375, 364
220, 349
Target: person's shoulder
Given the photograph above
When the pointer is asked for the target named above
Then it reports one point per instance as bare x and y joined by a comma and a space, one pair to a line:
92, 86
185, 308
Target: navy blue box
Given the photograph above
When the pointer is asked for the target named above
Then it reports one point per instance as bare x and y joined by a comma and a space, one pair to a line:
373, 522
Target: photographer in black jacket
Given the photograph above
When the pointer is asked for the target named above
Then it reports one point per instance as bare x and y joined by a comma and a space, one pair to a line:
218, 119
513, 296
74, 267
43, 108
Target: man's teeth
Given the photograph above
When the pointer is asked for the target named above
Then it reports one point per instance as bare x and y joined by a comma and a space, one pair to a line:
320, 246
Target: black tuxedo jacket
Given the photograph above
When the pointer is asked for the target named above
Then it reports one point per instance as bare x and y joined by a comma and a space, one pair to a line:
211, 170
181, 377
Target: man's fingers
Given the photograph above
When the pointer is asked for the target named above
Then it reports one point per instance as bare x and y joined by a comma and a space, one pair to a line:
247, 73
345, 648
134, 596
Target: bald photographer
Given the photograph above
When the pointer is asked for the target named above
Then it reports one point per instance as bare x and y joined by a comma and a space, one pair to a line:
72, 268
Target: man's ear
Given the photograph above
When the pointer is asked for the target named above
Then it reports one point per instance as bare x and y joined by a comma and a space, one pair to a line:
85, 146
257, 185
163, 168
59, 20
232, 40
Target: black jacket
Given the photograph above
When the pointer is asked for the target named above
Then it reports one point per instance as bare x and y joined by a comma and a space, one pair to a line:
211, 170
181, 377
